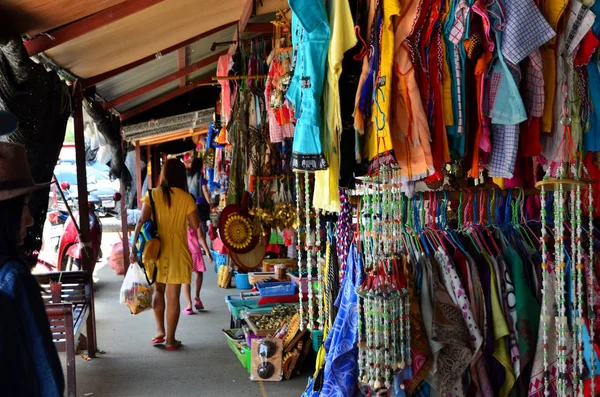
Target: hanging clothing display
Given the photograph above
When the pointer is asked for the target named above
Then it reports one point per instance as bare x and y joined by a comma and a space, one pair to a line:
445, 165
311, 34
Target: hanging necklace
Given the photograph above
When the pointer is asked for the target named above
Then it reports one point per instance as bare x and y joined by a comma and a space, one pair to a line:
299, 250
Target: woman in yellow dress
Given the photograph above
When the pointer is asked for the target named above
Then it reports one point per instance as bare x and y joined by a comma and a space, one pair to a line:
175, 210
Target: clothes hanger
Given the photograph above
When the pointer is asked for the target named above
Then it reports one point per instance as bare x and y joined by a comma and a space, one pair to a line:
516, 222
465, 228
486, 225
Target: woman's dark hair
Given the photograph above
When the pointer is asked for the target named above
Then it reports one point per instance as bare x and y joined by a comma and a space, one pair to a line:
10, 225
196, 167
172, 175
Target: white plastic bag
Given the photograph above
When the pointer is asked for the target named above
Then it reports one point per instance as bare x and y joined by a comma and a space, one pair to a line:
136, 293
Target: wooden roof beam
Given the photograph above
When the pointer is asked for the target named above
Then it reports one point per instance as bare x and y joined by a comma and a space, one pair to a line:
164, 80
167, 97
58, 36
91, 81
263, 27
182, 64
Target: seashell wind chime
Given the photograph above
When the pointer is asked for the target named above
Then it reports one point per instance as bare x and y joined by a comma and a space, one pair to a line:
384, 322
312, 248
567, 318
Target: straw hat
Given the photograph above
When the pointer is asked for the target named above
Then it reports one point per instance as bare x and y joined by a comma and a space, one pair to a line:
15, 175
250, 260
236, 230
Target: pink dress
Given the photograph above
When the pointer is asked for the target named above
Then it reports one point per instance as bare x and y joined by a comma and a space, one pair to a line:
198, 260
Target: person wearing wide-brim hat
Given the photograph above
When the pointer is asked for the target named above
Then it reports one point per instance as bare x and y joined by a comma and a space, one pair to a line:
30, 365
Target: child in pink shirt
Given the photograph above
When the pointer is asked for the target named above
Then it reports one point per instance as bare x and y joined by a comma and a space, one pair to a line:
195, 239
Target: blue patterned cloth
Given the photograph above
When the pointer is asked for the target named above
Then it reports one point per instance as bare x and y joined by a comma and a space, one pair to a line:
341, 370
526, 30
310, 28
505, 144
591, 139
506, 114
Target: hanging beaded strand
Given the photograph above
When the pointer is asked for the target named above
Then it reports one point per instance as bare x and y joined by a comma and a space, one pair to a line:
561, 323
308, 248
378, 314
321, 287
580, 269
572, 301
387, 335
545, 315
370, 349
591, 293
299, 250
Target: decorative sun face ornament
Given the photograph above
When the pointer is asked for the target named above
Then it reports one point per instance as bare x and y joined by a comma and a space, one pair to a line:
237, 230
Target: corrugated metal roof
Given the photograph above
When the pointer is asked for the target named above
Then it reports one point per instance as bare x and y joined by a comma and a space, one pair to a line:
167, 125
148, 96
162, 66
137, 77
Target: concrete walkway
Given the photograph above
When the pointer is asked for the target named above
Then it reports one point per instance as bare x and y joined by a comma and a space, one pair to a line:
131, 367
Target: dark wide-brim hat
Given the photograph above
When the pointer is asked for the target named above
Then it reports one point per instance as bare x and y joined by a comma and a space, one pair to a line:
15, 174
236, 230
8, 122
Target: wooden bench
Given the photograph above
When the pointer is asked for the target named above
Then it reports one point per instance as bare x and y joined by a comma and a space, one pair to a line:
68, 316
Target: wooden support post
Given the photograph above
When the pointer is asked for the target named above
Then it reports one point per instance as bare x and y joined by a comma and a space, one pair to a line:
149, 166
124, 226
84, 215
138, 174
87, 254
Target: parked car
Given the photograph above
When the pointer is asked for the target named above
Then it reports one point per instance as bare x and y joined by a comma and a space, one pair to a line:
102, 195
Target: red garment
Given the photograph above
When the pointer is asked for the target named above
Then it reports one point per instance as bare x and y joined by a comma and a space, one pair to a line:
591, 163
587, 47
529, 138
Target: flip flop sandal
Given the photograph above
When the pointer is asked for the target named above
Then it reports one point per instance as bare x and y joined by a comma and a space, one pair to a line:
188, 312
198, 304
178, 344
158, 341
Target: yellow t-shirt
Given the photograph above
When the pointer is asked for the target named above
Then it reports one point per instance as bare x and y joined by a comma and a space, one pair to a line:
342, 39
175, 260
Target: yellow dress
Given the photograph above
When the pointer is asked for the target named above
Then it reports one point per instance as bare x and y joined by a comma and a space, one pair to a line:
342, 39
378, 137
175, 259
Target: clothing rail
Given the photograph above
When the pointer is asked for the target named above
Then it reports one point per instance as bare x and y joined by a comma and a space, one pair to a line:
258, 76
254, 178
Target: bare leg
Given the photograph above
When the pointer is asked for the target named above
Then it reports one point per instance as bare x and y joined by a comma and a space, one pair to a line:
173, 307
199, 279
158, 306
187, 292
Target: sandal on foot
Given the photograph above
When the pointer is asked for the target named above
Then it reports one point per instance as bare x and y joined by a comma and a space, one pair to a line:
187, 311
198, 304
177, 345
158, 340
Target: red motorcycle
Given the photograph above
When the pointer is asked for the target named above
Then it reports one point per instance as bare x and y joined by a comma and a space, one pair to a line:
69, 247
65, 255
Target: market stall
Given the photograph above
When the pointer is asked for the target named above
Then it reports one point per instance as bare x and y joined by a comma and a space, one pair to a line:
438, 169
